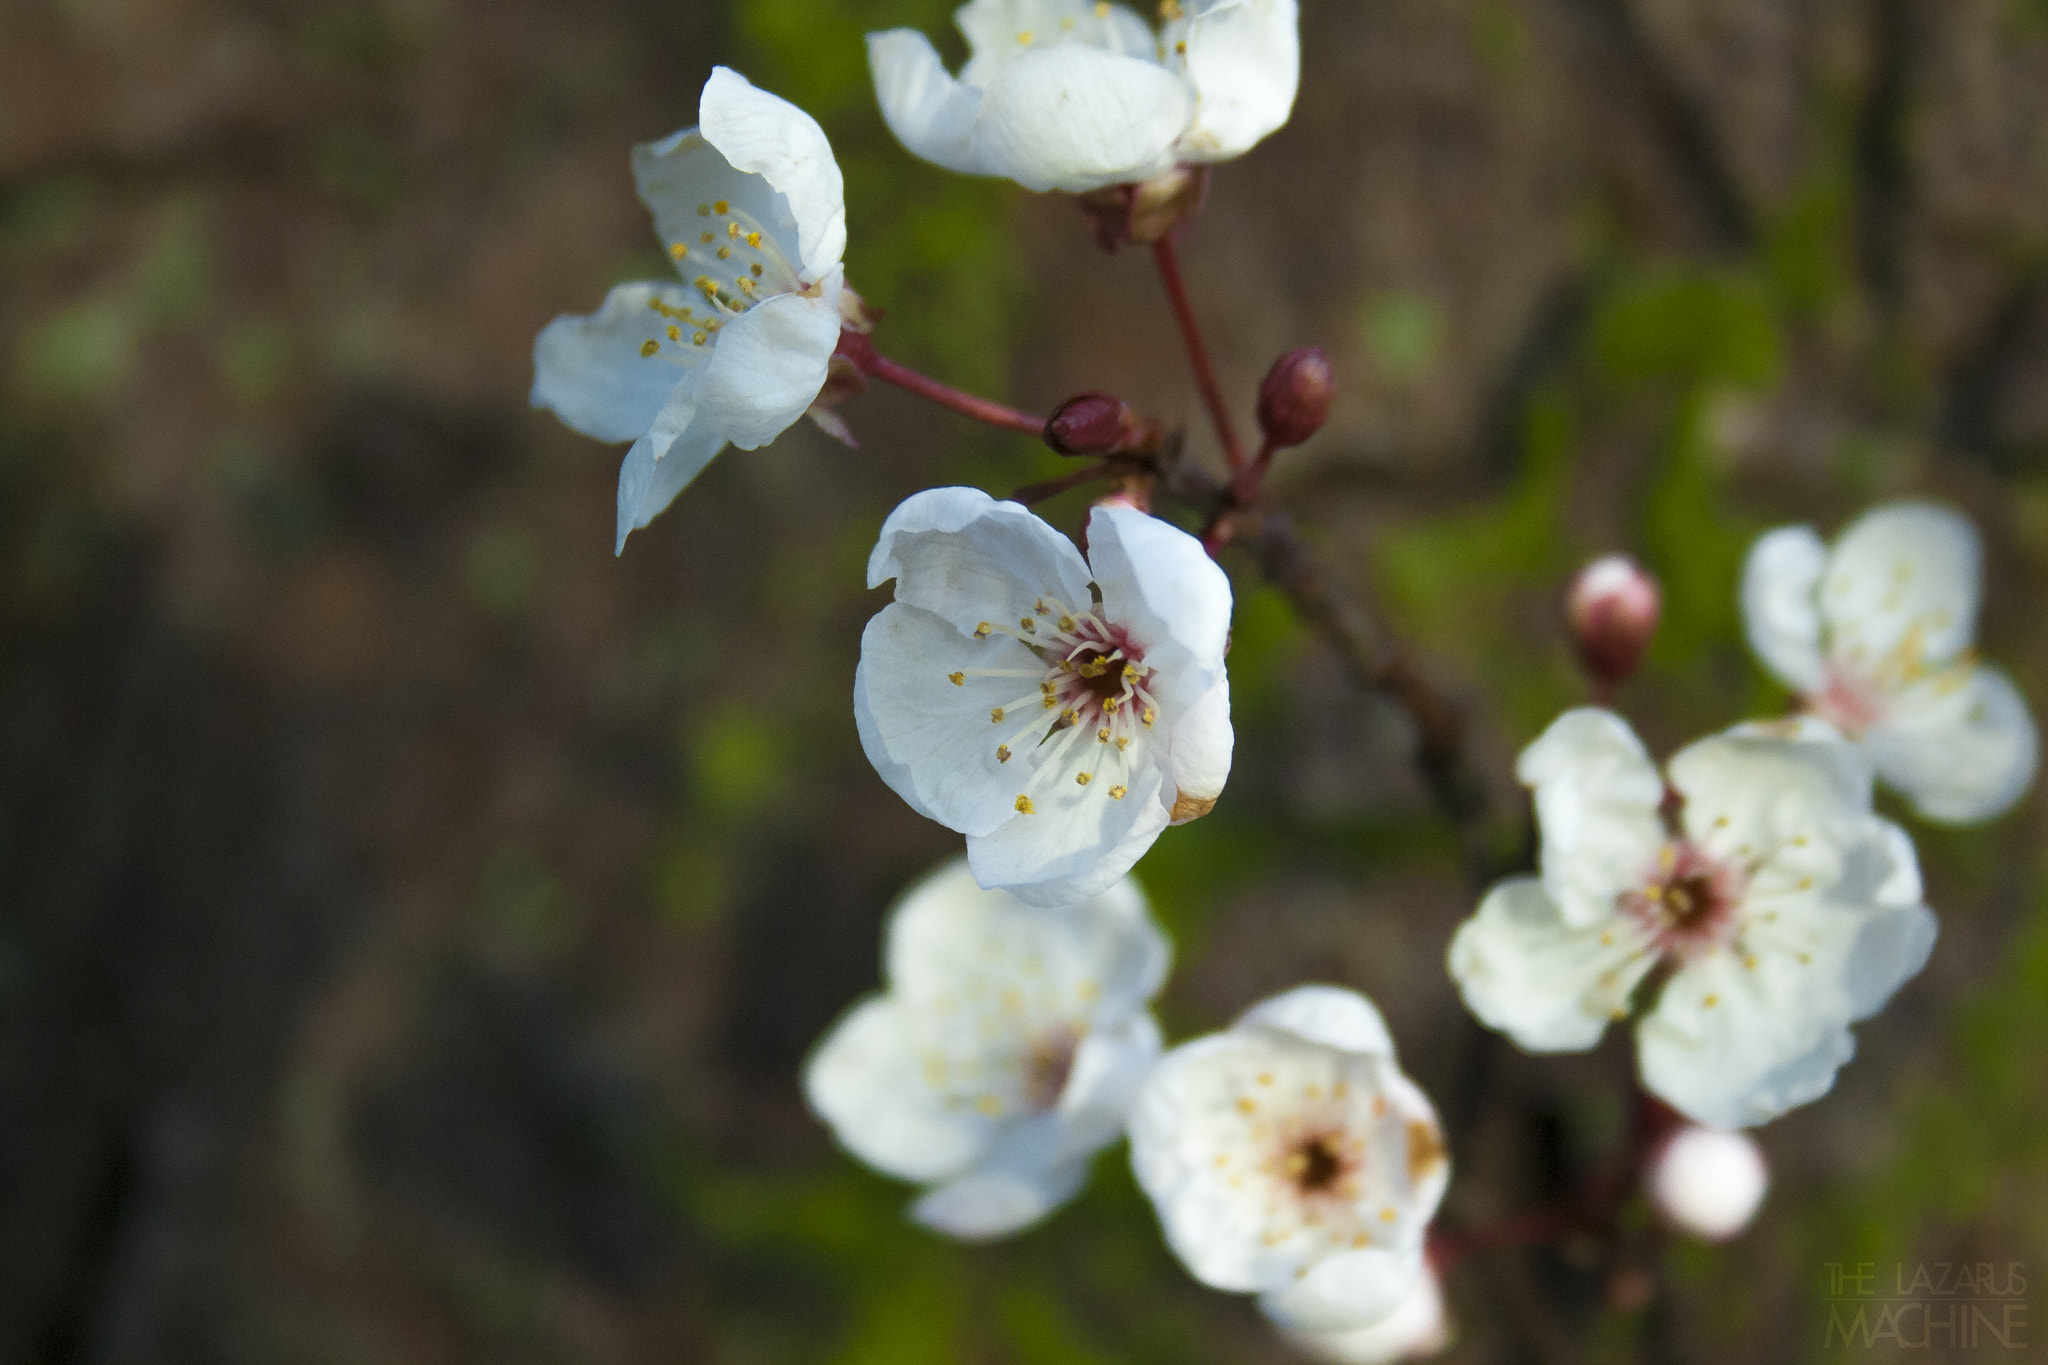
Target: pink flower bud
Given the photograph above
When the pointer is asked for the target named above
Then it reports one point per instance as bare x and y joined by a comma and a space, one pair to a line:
1294, 400
1090, 424
1613, 606
1707, 1182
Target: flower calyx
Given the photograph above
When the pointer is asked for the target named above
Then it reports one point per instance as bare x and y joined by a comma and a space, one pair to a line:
1147, 211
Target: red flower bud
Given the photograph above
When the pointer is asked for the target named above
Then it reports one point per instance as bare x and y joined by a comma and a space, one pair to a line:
1294, 400
1090, 424
1613, 606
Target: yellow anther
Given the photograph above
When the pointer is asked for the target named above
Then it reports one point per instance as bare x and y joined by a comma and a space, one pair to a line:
756, 269
1067, 24
1046, 688
1025, 37
1069, 716
675, 333
1389, 1216
1710, 1002
699, 338
1066, 665
1150, 716
1117, 793
732, 230
1180, 49
746, 286
1109, 705
703, 210
1029, 626
655, 305
1051, 702
1040, 607
1123, 742
1002, 753
721, 207
1102, 8
705, 238
989, 1105
1083, 779
725, 253
981, 631
678, 251
1024, 806
1102, 735
754, 240
1066, 624
1245, 1105
995, 715
649, 347
1131, 672
957, 679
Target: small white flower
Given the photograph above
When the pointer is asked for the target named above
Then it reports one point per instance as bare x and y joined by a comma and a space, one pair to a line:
1767, 913
1875, 635
1707, 1181
750, 207
1418, 1329
1058, 711
1289, 1157
1076, 94
1004, 1053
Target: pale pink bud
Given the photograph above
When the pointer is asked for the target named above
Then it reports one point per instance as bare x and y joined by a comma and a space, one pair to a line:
1707, 1182
1294, 400
1613, 606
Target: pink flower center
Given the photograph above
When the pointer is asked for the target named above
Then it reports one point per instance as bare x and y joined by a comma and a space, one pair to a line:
1848, 704
1688, 901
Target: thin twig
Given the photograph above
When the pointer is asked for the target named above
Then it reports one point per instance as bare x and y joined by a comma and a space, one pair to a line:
871, 362
1198, 350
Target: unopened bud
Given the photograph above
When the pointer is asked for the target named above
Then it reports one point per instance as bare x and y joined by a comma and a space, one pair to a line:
1294, 400
1090, 424
1613, 606
1707, 1182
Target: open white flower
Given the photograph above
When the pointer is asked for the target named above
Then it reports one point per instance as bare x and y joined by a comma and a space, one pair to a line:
1766, 913
1416, 1330
1289, 1157
1004, 1053
1076, 94
750, 207
1058, 711
1875, 635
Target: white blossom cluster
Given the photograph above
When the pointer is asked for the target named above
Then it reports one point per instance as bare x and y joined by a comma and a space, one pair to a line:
1059, 706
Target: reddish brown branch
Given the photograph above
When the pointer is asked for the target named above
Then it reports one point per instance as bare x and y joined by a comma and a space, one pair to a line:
1198, 350
858, 349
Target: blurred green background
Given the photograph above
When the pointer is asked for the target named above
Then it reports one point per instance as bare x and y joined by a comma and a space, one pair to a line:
414, 918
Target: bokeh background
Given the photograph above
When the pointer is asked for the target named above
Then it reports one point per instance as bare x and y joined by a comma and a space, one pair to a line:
413, 919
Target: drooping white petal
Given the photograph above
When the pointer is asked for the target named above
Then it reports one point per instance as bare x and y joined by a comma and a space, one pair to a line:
1418, 1328
1329, 1015
655, 471
1961, 745
1244, 58
1781, 605
1200, 751
959, 553
935, 738
1075, 842
1597, 797
1350, 1290
592, 373
768, 365
761, 134
1546, 984
999, 30
930, 112
1023, 1179
1073, 117
1902, 584
683, 173
1159, 583
864, 1080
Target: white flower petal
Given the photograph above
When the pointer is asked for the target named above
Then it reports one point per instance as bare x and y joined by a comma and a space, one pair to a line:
936, 738
768, 365
1073, 117
654, 472
1017, 1185
1549, 986
1159, 583
930, 112
999, 30
1244, 57
1781, 605
590, 370
1110, 1067
1329, 1015
1418, 1328
1797, 792
864, 1081
896, 774
761, 134
1892, 946
683, 172
1075, 843
1961, 745
1201, 746
963, 555
1741, 1068
1905, 577
1597, 798
1350, 1290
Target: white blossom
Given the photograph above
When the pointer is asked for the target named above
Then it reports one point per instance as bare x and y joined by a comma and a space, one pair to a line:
1289, 1157
1058, 711
1416, 1330
1875, 635
1707, 1182
1004, 1052
1077, 95
750, 207
1762, 905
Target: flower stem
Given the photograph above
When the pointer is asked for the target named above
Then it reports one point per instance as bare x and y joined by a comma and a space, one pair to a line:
872, 363
1198, 350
